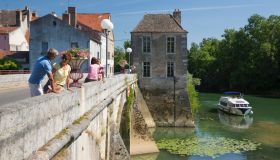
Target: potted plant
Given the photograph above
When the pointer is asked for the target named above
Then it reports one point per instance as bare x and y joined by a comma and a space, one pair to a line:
78, 57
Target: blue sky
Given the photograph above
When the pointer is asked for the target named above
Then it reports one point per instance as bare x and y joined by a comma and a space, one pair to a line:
201, 18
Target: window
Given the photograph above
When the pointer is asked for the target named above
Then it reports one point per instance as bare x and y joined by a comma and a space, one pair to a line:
74, 45
170, 45
98, 55
146, 44
108, 55
45, 47
170, 69
146, 69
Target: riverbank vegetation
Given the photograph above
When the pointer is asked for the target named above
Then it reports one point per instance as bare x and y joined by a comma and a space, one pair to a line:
247, 59
192, 93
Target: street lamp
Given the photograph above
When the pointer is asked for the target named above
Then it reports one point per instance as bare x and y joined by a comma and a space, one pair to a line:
129, 50
107, 26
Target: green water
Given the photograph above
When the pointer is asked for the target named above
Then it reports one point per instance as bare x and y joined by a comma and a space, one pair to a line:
262, 127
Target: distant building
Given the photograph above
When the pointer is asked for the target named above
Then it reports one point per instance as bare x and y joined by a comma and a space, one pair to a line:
159, 51
14, 35
14, 30
72, 30
93, 21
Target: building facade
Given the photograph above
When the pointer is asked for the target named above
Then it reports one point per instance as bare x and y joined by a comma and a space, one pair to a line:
159, 45
14, 30
72, 30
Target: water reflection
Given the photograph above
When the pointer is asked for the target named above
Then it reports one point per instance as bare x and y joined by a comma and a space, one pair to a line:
240, 122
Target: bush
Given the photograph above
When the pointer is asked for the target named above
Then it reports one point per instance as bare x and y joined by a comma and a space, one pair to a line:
9, 64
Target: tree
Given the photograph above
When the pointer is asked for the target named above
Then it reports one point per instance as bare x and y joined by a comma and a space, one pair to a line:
247, 59
119, 55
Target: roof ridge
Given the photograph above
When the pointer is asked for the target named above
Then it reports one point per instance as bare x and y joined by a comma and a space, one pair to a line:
159, 23
94, 13
177, 22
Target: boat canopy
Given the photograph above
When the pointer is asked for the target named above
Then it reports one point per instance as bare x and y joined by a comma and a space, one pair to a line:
232, 92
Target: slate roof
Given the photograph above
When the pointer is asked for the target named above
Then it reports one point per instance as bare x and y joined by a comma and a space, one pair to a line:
159, 23
8, 17
91, 33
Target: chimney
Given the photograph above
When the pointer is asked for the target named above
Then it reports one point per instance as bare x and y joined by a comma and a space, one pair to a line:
18, 18
73, 16
33, 14
66, 18
177, 15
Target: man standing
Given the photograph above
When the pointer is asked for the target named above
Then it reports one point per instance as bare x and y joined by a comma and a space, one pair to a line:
41, 68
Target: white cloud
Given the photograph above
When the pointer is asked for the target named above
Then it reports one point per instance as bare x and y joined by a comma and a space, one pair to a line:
191, 9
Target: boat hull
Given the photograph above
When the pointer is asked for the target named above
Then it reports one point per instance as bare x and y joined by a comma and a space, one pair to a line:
241, 111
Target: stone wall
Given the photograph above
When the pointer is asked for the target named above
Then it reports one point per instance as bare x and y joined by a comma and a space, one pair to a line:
78, 121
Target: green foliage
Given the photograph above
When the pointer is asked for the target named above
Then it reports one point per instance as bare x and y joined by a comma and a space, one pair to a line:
212, 147
127, 44
119, 55
9, 64
245, 59
126, 121
192, 93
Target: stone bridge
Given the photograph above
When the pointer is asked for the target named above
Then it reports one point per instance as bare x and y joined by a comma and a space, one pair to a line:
80, 125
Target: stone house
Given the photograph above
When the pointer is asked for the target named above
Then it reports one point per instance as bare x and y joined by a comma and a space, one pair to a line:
159, 52
72, 30
14, 30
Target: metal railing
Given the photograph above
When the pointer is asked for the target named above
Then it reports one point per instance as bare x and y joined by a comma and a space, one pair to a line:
14, 72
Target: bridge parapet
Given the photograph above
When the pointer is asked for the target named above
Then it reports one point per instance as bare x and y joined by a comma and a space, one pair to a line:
27, 125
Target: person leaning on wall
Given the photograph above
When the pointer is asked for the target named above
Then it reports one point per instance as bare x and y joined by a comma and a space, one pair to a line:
41, 68
93, 71
61, 74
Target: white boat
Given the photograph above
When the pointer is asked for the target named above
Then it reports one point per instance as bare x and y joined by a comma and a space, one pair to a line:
234, 104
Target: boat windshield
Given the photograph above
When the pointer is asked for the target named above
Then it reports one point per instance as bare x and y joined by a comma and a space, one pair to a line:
241, 105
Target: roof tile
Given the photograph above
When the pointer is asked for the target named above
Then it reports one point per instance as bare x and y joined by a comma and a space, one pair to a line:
92, 20
158, 23
7, 29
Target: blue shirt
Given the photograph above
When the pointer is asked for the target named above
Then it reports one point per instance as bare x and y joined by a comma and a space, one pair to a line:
40, 69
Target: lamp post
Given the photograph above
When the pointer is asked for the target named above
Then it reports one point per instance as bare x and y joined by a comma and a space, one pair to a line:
129, 50
107, 26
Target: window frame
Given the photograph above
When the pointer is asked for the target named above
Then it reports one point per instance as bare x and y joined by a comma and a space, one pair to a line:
44, 52
174, 45
167, 66
75, 44
143, 69
145, 48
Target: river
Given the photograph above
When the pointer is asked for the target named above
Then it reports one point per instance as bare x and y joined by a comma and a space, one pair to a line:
262, 128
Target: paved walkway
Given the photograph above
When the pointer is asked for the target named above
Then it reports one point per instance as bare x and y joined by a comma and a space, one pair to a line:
12, 93
8, 88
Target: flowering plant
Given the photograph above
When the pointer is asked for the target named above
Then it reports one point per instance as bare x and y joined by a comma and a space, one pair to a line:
77, 53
